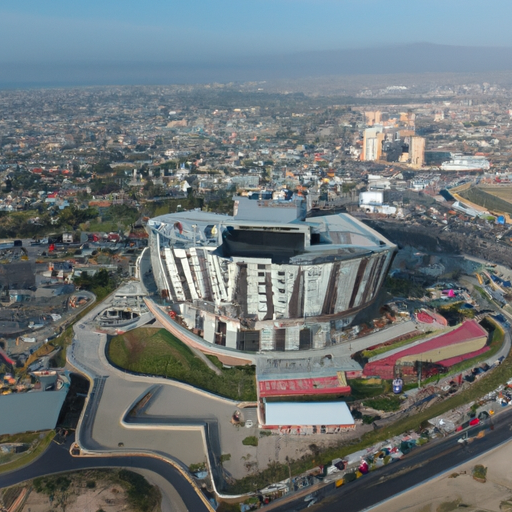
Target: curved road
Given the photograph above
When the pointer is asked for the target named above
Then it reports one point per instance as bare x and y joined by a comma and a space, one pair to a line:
57, 459
114, 393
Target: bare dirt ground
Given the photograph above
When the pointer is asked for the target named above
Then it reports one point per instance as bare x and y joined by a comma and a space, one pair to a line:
449, 493
88, 491
280, 448
246, 460
110, 498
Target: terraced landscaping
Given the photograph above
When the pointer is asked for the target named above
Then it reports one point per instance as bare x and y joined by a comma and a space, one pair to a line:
150, 351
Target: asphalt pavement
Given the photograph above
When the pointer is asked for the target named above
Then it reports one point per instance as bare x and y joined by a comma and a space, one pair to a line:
57, 459
420, 465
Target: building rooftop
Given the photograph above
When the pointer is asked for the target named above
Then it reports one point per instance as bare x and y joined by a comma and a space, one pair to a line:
31, 412
311, 413
299, 241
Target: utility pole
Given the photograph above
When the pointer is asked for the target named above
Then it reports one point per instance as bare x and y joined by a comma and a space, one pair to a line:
195, 227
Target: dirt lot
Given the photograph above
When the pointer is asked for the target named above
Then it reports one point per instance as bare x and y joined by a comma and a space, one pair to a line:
448, 493
85, 491
106, 497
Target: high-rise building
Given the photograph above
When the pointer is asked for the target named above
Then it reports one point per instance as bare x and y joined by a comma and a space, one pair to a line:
417, 151
372, 144
373, 117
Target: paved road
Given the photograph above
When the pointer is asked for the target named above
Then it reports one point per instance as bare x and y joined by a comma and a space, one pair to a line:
115, 392
420, 465
166, 430
505, 349
57, 459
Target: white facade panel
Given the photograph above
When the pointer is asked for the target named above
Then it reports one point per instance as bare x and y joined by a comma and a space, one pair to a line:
346, 280
174, 275
267, 339
188, 274
364, 281
292, 339
231, 335
209, 329
198, 274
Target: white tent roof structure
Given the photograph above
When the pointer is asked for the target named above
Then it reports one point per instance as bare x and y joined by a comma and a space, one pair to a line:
312, 413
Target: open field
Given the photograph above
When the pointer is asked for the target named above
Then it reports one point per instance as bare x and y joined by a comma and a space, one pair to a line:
503, 192
487, 200
157, 352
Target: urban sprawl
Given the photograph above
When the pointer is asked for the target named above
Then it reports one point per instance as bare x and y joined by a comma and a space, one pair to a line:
273, 293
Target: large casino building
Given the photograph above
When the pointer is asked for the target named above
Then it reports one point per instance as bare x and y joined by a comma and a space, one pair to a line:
267, 278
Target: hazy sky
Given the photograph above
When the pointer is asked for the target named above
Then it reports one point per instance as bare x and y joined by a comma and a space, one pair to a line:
48, 31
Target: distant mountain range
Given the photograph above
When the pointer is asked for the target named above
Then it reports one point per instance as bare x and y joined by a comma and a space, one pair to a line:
404, 58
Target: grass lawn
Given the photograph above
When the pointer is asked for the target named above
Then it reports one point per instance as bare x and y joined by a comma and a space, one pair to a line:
386, 348
27, 457
368, 388
483, 198
157, 352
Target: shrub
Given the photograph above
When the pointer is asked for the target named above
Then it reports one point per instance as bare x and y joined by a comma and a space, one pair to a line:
388, 404
480, 472
91, 484
141, 494
368, 420
250, 441
52, 484
194, 468
38, 484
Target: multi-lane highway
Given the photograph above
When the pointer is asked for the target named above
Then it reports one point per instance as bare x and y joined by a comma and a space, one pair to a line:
420, 465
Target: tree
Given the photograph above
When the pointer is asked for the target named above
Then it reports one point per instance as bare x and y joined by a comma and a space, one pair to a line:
102, 167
